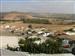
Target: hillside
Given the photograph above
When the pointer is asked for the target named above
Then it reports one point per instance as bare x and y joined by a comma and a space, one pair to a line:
14, 16
52, 18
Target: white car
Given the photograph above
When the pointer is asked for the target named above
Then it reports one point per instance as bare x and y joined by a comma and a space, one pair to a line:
68, 45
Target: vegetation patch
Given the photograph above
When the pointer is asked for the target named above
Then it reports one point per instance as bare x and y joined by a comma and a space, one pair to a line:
40, 21
48, 47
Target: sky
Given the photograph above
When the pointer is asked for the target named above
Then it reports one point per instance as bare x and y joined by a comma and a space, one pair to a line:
42, 6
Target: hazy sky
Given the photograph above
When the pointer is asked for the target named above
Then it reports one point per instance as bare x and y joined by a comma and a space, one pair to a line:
51, 6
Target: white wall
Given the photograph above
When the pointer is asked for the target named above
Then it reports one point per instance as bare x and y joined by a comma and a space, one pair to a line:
10, 40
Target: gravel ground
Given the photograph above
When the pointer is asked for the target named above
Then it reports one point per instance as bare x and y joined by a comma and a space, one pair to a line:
15, 53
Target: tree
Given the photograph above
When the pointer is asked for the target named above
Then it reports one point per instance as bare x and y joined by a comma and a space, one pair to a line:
49, 46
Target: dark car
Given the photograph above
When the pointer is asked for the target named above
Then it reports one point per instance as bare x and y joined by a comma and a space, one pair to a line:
73, 50
72, 43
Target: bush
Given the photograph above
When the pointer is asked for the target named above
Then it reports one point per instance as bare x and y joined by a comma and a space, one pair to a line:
49, 47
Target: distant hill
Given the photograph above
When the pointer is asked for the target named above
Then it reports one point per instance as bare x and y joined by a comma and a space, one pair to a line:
14, 16
30, 15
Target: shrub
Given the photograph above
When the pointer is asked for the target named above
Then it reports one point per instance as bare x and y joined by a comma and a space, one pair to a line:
49, 46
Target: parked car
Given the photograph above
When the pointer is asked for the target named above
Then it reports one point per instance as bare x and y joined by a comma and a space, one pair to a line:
73, 46
73, 50
68, 46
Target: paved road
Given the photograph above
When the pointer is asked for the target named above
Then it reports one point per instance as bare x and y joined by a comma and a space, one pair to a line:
15, 53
